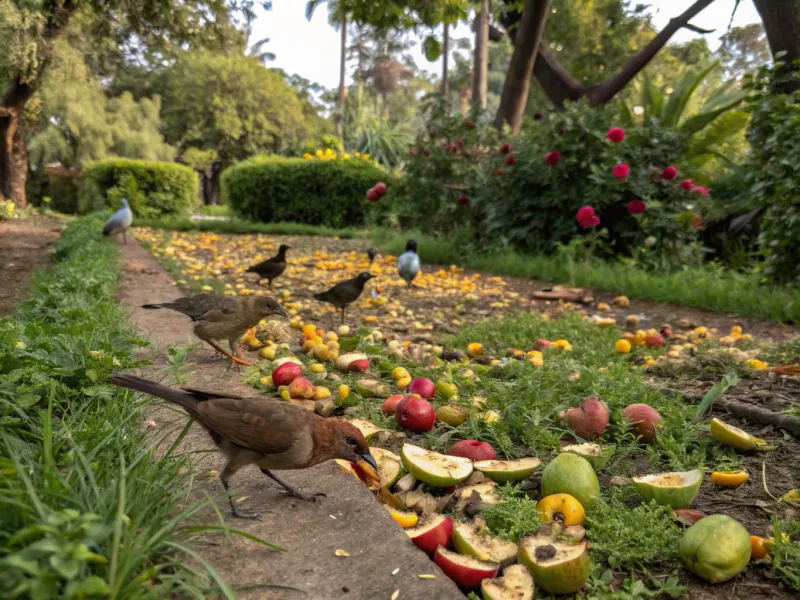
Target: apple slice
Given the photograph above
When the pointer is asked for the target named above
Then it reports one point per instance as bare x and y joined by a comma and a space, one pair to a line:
676, 490
473, 539
435, 531
435, 469
390, 468
367, 428
596, 454
504, 471
467, 498
515, 584
369, 388
557, 567
466, 571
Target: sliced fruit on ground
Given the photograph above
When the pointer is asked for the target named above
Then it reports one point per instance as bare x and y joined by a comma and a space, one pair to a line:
472, 497
504, 471
406, 483
349, 467
729, 478
557, 567
515, 584
687, 516
279, 361
367, 428
571, 474
466, 571
432, 532
452, 415
418, 501
716, 548
369, 388
596, 454
390, 468
676, 490
473, 539
735, 437
433, 468
405, 519
343, 361
563, 508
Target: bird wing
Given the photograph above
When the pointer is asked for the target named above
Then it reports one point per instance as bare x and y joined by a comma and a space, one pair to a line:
117, 221
263, 426
408, 265
206, 307
269, 266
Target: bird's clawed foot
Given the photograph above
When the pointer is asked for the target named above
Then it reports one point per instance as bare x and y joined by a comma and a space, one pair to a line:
310, 497
243, 514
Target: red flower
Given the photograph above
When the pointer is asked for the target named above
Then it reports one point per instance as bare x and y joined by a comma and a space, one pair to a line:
463, 200
499, 172
469, 124
616, 134
620, 171
552, 158
699, 189
669, 173
426, 152
511, 160
698, 222
686, 184
538, 116
586, 217
412, 152
636, 207
505, 148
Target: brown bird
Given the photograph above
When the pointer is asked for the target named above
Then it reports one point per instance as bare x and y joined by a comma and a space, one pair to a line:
272, 267
268, 434
224, 317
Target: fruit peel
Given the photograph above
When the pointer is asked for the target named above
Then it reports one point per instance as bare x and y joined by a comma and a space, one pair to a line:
504, 471
676, 490
435, 469
735, 438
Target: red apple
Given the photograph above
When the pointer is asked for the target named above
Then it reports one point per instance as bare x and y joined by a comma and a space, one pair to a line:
433, 532
372, 195
301, 388
466, 571
590, 420
542, 343
415, 413
380, 187
390, 404
654, 341
286, 373
358, 366
422, 386
473, 449
645, 420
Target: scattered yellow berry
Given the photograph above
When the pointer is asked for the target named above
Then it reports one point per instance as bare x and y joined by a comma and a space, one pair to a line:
317, 368
632, 321
475, 349
622, 347
621, 301
321, 352
343, 391
370, 319
403, 382
267, 353
399, 373
758, 365
266, 380
536, 361
285, 395
536, 354
321, 392
603, 307
563, 345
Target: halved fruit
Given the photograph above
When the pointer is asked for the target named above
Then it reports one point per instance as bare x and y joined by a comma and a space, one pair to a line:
557, 567
435, 531
473, 539
730, 478
735, 437
515, 584
367, 428
390, 468
562, 508
473, 496
369, 388
405, 519
676, 490
504, 471
466, 571
596, 454
433, 468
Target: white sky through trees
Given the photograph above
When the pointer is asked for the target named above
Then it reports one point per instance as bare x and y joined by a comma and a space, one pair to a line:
311, 49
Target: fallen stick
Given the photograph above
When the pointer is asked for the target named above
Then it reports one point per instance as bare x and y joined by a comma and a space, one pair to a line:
755, 414
568, 295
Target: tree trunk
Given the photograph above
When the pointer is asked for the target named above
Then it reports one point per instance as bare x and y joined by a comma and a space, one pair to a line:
13, 157
518, 77
342, 69
781, 20
211, 184
480, 68
445, 52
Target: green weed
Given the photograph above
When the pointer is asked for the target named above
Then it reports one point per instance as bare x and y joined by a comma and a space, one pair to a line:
515, 516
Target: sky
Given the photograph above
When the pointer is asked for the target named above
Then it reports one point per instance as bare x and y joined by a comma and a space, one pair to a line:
311, 49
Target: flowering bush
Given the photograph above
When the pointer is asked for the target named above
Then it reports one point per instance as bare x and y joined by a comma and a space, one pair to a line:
7, 210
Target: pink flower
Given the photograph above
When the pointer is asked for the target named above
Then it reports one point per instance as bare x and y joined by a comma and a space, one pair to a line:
636, 207
669, 173
620, 171
552, 158
616, 134
699, 189
698, 222
686, 184
586, 217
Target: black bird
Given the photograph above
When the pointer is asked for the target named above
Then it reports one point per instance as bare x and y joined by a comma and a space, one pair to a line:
345, 292
272, 267
371, 253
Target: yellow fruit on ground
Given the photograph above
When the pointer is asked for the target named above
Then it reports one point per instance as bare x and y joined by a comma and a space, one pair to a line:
317, 368
758, 365
404, 519
321, 392
563, 345
343, 391
308, 345
562, 508
309, 330
622, 347
622, 301
536, 361
285, 395
474, 349
267, 353
266, 380
602, 306
253, 343
403, 382
491, 416
321, 352
729, 479
343, 331
370, 319
331, 336
759, 547
399, 373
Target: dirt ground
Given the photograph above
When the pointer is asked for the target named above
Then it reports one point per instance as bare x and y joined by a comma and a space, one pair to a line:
24, 247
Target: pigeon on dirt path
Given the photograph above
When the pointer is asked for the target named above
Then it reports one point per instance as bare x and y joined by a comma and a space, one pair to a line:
371, 254
272, 267
224, 317
345, 292
120, 221
408, 262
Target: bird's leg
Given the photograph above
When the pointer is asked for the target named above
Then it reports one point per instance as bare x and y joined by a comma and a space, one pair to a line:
234, 359
343, 309
290, 490
270, 283
235, 508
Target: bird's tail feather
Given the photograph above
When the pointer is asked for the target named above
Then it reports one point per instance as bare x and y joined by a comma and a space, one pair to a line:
320, 296
151, 306
179, 396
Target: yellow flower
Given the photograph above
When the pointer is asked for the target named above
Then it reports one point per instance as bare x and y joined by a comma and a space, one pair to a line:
622, 347
365, 156
20, 345
307, 156
758, 365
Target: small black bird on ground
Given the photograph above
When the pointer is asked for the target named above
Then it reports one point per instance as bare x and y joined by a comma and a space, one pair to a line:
272, 267
371, 254
345, 292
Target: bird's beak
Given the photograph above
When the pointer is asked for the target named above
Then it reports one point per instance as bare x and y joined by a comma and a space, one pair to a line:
369, 466
282, 312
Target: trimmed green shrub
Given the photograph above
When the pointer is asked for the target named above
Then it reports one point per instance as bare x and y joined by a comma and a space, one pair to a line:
313, 191
154, 189
63, 186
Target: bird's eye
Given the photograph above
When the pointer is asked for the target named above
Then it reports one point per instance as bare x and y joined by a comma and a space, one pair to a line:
351, 441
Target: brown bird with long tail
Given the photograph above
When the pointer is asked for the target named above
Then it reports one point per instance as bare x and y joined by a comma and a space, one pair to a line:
268, 434
224, 318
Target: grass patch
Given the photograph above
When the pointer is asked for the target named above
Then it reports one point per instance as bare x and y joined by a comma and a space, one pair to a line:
785, 554
88, 509
238, 226
515, 516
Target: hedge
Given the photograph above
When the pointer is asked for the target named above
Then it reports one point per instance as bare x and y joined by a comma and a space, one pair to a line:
312, 191
153, 188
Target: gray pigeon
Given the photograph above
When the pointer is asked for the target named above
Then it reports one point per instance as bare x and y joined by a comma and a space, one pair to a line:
408, 262
120, 221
